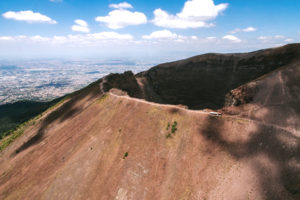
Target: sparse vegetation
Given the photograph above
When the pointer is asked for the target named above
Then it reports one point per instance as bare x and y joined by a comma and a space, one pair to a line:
16, 133
102, 98
173, 129
168, 126
169, 135
125, 155
10, 136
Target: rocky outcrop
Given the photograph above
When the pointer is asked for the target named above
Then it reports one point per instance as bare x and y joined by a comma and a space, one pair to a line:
126, 82
242, 95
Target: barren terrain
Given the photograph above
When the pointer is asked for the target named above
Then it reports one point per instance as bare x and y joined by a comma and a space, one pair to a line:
104, 144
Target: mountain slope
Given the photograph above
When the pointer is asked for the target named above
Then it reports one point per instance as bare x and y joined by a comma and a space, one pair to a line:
203, 81
12, 115
103, 144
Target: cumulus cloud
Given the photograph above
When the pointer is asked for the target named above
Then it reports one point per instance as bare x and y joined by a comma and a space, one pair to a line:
29, 17
80, 26
248, 29
164, 34
121, 5
194, 14
168, 36
232, 38
121, 18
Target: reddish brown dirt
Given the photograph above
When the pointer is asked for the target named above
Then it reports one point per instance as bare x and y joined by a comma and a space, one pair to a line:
81, 157
77, 151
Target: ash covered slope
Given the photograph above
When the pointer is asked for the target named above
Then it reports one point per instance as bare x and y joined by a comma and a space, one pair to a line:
107, 146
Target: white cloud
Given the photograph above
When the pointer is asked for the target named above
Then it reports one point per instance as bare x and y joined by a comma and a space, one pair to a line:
79, 39
211, 38
166, 43
110, 36
29, 17
6, 38
121, 5
289, 40
248, 29
232, 38
20, 37
81, 22
38, 38
168, 36
163, 19
299, 32
194, 14
117, 19
235, 31
279, 37
275, 40
59, 39
271, 38
80, 26
264, 37
164, 34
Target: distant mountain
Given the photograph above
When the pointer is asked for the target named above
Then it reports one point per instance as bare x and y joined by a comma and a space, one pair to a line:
130, 136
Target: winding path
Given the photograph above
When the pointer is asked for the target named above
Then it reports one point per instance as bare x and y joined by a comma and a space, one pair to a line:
270, 125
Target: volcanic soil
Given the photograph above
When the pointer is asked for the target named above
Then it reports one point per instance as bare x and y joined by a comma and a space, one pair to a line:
152, 136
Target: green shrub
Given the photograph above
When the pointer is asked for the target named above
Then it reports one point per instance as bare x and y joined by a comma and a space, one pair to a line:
125, 155
168, 126
174, 127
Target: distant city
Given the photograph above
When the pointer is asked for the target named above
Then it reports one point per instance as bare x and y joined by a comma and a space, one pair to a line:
45, 80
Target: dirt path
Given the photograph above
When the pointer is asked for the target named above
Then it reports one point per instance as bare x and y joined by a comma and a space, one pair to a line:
292, 131
102, 85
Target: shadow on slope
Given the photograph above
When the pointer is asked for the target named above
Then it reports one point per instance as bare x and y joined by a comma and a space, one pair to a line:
77, 103
274, 155
14, 114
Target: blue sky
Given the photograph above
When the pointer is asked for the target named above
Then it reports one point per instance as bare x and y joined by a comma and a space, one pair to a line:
92, 28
